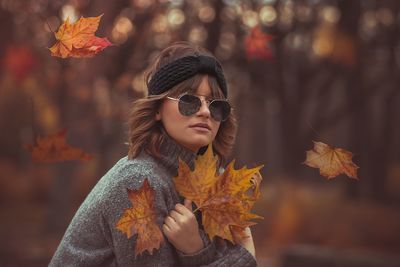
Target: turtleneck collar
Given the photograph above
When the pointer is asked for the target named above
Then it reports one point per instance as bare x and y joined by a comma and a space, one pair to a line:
171, 151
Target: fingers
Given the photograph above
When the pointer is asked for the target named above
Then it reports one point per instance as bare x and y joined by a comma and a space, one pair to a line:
167, 230
188, 204
166, 227
185, 209
170, 222
175, 215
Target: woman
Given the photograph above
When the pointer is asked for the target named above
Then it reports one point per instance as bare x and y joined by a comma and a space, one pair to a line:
185, 110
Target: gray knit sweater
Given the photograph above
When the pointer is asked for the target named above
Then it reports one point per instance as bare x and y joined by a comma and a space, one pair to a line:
92, 239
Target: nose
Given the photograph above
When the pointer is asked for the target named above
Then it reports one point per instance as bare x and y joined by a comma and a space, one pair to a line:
204, 110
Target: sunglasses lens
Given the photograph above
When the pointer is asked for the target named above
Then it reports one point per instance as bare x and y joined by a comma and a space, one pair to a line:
189, 104
220, 110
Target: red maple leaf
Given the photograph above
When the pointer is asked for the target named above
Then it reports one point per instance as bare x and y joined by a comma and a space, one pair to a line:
258, 44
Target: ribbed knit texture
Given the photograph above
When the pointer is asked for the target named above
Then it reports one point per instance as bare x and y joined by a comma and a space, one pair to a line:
92, 239
182, 69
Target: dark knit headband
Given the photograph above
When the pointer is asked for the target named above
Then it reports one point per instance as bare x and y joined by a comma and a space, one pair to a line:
184, 68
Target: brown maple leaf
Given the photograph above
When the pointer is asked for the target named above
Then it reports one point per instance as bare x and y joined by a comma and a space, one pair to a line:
331, 161
221, 198
141, 220
55, 149
78, 39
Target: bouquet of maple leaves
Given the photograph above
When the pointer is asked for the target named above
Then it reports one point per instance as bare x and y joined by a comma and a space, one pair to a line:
225, 201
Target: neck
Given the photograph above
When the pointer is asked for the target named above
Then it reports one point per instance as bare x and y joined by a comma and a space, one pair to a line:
171, 152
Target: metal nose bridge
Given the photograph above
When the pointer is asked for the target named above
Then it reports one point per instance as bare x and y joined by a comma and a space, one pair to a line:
208, 102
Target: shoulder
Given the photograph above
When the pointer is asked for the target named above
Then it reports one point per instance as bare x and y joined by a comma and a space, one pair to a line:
128, 174
131, 173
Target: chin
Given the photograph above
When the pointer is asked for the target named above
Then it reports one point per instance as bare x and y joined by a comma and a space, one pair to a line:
199, 144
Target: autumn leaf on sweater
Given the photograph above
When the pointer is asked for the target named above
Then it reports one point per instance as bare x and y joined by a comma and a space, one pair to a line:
222, 198
141, 220
78, 39
55, 149
331, 161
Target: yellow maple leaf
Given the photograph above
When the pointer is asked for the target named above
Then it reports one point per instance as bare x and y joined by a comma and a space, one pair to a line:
201, 180
331, 161
141, 220
221, 198
239, 181
78, 39
220, 213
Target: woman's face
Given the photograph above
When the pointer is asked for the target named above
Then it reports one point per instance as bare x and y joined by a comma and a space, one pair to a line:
193, 131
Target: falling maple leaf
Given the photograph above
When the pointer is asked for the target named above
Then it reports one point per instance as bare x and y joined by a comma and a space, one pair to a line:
141, 220
55, 149
78, 39
223, 199
331, 162
258, 44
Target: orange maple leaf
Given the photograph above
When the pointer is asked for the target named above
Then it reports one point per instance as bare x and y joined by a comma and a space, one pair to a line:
141, 220
223, 199
54, 149
258, 44
78, 39
331, 162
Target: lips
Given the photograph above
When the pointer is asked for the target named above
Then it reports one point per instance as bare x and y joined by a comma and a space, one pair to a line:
200, 125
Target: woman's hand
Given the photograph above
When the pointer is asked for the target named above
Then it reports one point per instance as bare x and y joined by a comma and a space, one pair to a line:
182, 230
245, 239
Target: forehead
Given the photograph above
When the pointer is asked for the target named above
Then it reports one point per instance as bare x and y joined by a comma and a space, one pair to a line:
199, 84
204, 88
206, 85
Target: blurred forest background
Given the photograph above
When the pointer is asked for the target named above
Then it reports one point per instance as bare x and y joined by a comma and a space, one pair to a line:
297, 71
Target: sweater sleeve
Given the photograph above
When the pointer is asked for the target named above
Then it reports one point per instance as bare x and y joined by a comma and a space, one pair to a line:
85, 243
92, 238
117, 202
218, 253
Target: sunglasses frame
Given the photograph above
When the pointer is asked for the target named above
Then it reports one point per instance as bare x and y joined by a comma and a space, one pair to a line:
209, 102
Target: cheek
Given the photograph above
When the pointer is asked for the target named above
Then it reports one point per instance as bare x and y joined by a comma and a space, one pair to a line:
171, 117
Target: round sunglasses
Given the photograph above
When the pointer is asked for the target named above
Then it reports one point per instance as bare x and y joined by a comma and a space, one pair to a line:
190, 104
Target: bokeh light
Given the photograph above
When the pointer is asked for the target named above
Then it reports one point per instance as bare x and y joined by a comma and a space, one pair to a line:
69, 11
206, 14
250, 18
198, 34
159, 24
123, 28
175, 17
268, 15
330, 14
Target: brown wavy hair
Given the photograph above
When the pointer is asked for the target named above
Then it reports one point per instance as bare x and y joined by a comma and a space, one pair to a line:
146, 133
